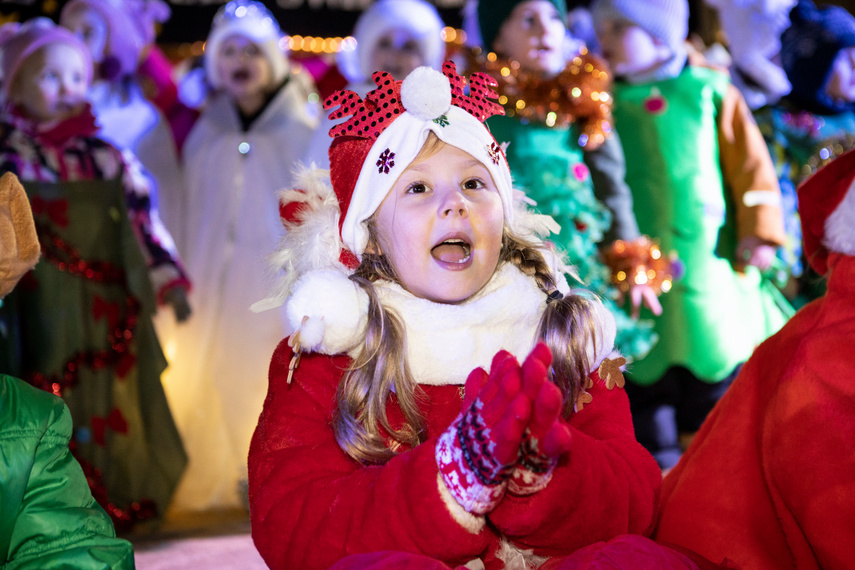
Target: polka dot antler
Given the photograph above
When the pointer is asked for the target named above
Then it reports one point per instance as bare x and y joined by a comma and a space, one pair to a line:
479, 103
370, 117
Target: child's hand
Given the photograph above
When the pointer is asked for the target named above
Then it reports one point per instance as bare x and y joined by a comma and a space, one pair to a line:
176, 297
754, 251
476, 454
639, 294
547, 436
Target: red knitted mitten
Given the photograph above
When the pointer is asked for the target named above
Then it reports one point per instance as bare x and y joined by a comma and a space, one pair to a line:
477, 452
547, 436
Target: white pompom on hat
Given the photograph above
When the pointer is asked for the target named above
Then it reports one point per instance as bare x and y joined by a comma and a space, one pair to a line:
251, 20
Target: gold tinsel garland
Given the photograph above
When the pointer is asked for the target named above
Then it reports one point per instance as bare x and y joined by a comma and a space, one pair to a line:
581, 94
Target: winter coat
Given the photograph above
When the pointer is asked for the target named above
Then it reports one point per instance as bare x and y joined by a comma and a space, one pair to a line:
312, 504
48, 518
768, 480
230, 229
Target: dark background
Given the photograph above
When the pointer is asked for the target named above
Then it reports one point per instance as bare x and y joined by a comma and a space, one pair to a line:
191, 22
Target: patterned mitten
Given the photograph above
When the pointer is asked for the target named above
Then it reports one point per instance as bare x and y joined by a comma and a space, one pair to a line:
547, 436
478, 451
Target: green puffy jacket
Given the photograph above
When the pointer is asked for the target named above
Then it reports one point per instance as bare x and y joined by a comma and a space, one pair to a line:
48, 518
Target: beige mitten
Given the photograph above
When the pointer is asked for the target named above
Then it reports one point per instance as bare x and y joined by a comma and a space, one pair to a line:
19, 245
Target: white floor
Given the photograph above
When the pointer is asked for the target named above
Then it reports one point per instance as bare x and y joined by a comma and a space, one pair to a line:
215, 552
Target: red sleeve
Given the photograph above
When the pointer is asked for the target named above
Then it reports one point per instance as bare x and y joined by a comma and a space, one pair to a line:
607, 485
311, 504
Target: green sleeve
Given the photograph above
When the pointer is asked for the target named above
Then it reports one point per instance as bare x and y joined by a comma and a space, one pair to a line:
59, 524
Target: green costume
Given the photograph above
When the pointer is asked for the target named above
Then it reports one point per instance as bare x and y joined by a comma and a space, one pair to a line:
80, 326
714, 316
48, 518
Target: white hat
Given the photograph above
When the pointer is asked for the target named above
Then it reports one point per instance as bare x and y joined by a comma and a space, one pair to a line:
415, 16
251, 20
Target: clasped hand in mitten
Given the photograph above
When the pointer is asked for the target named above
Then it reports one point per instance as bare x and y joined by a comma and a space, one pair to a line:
510, 429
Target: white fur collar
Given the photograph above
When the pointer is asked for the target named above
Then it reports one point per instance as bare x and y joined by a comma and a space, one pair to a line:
444, 343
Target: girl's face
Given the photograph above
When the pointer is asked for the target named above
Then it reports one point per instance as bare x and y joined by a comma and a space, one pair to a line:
534, 35
841, 83
91, 28
397, 52
441, 226
243, 68
629, 49
51, 84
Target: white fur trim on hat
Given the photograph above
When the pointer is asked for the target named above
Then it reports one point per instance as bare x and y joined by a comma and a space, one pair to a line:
401, 142
255, 23
839, 232
417, 17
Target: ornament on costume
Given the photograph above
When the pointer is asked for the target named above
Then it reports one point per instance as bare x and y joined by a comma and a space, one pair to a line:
655, 103
639, 262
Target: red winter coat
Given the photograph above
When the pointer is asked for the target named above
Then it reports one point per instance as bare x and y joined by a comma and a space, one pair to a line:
312, 505
769, 480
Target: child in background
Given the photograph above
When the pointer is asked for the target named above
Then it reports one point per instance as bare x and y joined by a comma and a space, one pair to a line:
768, 480
753, 30
118, 34
48, 517
396, 36
382, 430
562, 149
704, 185
81, 324
815, 123
238, 156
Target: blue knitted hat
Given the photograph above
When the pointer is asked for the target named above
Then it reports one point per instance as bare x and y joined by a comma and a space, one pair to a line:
808, 49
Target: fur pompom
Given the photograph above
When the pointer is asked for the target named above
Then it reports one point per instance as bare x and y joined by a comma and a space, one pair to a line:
328, 310
310, 216
839, 232
426, 93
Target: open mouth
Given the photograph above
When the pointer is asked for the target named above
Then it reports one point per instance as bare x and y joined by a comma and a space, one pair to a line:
240, 75
452, 251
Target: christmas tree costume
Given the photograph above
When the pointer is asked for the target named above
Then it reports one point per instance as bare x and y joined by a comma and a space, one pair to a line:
81, 326
560, 153
684, 195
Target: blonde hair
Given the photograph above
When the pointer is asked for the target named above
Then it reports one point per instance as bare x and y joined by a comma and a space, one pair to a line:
360, 423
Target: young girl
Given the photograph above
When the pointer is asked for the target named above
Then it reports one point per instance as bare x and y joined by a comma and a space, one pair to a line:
391, 35
238, 156
405, 282
562, 149
703, 183
80, 325
119, 34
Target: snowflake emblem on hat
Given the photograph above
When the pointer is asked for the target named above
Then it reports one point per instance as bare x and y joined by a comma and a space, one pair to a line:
386, 161
495, 152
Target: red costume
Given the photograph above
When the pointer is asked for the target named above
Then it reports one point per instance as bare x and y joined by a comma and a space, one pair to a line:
312, 504
769, 480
